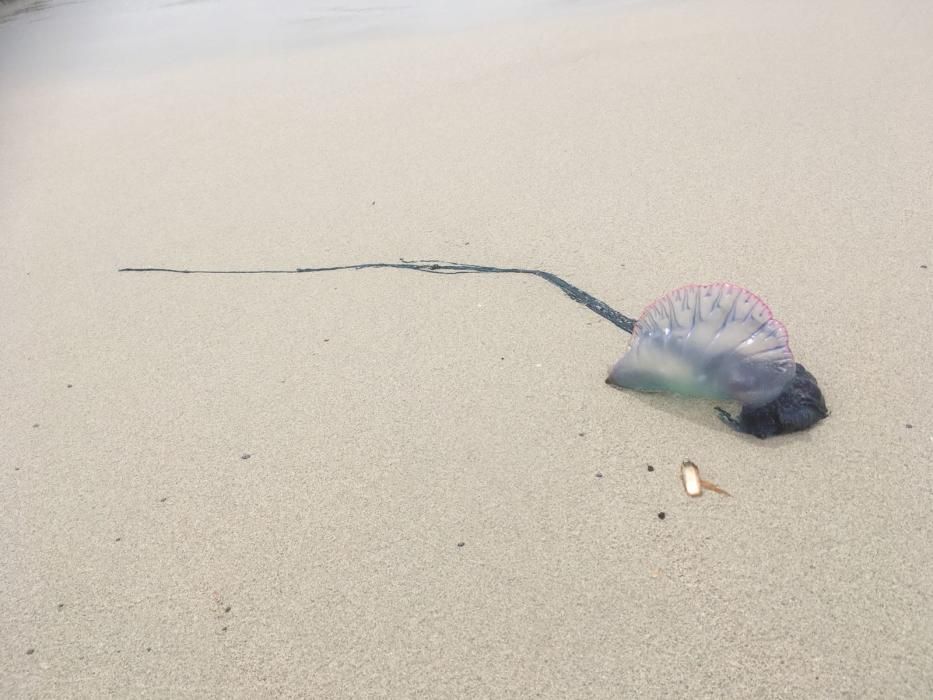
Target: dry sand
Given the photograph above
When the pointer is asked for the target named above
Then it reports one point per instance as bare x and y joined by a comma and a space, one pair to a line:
391, 415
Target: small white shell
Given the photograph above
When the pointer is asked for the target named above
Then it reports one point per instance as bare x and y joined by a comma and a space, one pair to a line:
690, 474
716, 341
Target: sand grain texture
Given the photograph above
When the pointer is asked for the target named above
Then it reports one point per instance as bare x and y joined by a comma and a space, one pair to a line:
391, 415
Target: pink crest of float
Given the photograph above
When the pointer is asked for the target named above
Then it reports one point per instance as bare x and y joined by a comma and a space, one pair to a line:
717, 341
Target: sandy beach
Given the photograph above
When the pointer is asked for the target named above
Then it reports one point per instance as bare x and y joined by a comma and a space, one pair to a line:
384, 483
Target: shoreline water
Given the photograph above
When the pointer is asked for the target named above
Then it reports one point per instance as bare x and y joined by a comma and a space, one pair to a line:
98, 38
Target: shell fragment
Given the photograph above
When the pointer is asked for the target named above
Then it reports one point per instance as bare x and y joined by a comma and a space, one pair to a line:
690, 474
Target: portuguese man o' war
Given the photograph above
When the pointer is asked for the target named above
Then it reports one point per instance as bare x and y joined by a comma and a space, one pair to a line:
720, 341
714, 341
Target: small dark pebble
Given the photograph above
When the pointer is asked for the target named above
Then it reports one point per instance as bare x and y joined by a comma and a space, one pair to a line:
501, 358
148, 648
650, 468
909, 426
227, 609
61, 605
662, 515
223, 629
245, 456
326, 340
16, 469
163, 500
30, 652
599, 475
460, 544
581, 434
374, 203
70, 385
924, 267
35, 425
118, 539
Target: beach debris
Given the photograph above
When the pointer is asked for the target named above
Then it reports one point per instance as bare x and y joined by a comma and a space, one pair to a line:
710, 486
662, 515
690, 475
221, 606
650, 467
693, 484
599, 475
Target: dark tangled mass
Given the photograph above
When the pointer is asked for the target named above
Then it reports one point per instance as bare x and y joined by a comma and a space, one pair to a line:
798, 407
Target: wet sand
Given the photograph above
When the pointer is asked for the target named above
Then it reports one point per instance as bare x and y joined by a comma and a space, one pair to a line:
382, 482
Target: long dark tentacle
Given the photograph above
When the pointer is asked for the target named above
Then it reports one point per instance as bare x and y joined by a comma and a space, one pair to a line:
438, 267
800, 406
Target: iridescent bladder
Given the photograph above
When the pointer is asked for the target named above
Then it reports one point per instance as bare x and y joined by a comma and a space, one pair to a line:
715, 341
